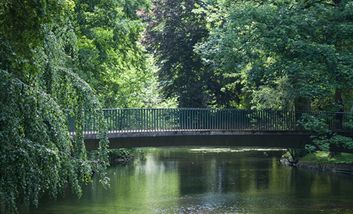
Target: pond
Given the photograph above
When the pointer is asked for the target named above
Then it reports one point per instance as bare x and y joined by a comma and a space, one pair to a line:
210, 180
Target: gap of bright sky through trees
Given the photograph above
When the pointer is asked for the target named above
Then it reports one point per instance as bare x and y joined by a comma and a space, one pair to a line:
64, 58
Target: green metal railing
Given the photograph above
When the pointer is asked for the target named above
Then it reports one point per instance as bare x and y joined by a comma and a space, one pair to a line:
160, 119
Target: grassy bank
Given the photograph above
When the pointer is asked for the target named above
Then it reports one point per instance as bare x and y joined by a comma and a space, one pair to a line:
322, 161
324, 158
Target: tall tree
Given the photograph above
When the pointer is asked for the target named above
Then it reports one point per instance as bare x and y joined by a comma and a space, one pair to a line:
173, 30
111, 58
282, 61
291, 55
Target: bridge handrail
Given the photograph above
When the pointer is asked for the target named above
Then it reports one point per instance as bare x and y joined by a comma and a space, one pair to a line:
160, 119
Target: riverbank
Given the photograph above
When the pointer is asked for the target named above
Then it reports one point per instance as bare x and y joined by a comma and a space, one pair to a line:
121, 156
321, 161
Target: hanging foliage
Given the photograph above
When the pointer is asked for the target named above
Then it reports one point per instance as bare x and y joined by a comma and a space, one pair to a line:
39, 83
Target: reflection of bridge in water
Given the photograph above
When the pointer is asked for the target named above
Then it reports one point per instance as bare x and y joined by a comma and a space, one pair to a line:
206, 127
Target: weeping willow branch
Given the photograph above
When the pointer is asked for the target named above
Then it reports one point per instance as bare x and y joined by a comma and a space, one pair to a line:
37, 154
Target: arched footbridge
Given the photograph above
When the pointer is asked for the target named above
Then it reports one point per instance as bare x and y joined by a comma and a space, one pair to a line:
206, 127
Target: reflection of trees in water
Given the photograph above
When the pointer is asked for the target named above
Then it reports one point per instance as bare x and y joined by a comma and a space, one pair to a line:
171, 179
249, 174
223, 172
191, 181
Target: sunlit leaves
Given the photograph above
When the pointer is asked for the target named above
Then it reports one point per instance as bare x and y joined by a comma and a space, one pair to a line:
308, 43
110, 56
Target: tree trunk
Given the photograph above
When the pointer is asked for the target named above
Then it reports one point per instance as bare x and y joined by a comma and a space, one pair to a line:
301, 105
340, 109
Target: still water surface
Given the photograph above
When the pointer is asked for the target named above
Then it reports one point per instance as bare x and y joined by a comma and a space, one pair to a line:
210, 181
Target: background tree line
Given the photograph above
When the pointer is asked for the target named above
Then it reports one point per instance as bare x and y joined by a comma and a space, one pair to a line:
293, 55
276, 55
63, 57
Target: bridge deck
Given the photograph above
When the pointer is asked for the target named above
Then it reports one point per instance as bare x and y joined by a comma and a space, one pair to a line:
174, 138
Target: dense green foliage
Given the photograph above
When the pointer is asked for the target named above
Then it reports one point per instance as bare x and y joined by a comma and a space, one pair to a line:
71, 57
39, 83
285, 54
172, 32
49, 50
279, 55
324, 138
111, 59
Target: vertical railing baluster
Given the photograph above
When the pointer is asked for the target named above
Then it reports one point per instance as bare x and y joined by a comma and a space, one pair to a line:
166, 118
192, 119
122, 115
207, 113
276, 120
178, 127
129, 120
208, 119
204, 119
175, 121
213, 119
242, 119
228, 119
114, 120
157, 121
149, 119
146, 119
231, 112
126, 117
186, 119
189, 118
118, 120
233, 118
180, 115
141, 120
162, 120
153, 119
221, 119
217, 117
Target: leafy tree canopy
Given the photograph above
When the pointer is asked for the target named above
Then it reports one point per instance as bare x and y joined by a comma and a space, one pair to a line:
284, 52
